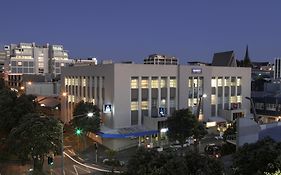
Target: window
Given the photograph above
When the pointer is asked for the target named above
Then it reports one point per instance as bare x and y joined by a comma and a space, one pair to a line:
173, 82
239, 81
239, 99
134, 105
144, 83
220, 81
213, 99
40, 64
19, 63
65, 81
154, 83
172, 103
227, 81
84, 81
144, 105
163, 83
190, 82
214, 82
134, 83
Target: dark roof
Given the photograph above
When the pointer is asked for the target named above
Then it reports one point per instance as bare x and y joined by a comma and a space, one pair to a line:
273, 133
224, 59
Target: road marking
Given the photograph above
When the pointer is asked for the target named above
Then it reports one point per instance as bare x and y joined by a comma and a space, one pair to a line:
90, 167
75, 168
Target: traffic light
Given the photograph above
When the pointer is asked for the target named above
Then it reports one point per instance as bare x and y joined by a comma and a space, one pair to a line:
78, 131
50, 160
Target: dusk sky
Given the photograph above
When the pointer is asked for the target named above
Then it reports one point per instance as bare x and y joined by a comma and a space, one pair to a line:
191, 30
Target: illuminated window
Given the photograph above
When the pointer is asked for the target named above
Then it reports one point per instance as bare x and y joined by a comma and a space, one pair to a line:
154, 83
213, 99
134, 105
144, 83
233, 99
40, 64
144, 105
220, 81
72, 81
19, 63
227, 81
238, 81
76, 81
163, 83
190, 82
61, 64
214, 82
65, 81
84, 81
173, 83
134, 83
239, 99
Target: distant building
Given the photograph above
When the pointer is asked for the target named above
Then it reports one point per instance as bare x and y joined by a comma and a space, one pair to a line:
83, 62
198, 63
277, 68
161, 59
28, 58
226, 59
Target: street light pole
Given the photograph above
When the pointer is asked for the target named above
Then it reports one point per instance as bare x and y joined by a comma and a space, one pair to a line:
62, 147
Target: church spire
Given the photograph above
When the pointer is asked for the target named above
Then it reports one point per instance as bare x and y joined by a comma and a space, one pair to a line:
247, 61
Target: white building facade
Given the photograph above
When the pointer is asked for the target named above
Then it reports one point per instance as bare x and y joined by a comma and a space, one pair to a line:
140, 97
28, 58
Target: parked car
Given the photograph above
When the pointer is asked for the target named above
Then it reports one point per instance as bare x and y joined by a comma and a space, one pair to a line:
213, 150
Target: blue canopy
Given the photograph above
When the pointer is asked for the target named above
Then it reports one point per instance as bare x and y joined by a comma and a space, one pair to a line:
128, 135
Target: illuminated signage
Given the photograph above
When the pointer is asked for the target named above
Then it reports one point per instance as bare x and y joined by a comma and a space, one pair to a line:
162, 111
107, 108
196, 70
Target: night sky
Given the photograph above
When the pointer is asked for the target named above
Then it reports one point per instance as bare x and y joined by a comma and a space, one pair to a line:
191, 30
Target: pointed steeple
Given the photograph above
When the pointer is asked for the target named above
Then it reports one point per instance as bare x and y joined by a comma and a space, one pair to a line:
246, 54
247, 61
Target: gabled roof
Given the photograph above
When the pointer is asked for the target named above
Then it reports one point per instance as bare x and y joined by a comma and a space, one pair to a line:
224, 59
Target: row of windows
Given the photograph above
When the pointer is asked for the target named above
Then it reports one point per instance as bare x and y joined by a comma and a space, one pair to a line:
144, 104
154, 82
22, 63
232, 99
84, 81
226, 81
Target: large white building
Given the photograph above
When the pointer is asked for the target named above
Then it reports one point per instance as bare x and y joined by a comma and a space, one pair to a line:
28, 58
137, 98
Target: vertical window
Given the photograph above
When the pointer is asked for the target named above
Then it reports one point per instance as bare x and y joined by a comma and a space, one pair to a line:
173, 82
220, 81
134, 83
214, 82
154, 83
144, 83
144, 105
163, 82
134, 105
239, 81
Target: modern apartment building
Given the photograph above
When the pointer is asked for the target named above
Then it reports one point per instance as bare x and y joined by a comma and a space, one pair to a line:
28, 58
136, 99
161, 59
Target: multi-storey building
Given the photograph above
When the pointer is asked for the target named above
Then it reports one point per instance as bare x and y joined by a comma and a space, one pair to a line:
28, 58
161, 59
136, 99
277, 68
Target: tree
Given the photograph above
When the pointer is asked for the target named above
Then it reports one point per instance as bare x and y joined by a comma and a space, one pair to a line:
151, 162
81, 120
181, 125
257, 158
35, 138
84, 122
198, 133
13, 108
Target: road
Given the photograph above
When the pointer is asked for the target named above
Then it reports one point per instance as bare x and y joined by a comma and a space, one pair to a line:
74, 165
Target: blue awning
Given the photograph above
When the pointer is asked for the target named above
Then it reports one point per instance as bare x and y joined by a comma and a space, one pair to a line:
128, 135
